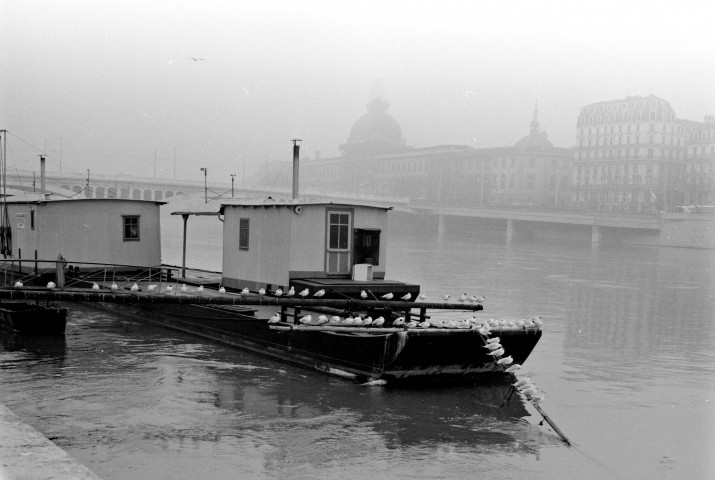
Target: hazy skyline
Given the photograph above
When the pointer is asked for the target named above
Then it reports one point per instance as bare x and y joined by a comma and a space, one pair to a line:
221, 82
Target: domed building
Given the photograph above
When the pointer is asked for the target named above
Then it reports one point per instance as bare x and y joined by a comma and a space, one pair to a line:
537, 140
376, 132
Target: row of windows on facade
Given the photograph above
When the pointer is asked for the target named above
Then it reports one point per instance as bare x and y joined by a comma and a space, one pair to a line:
617, 168
475, 164
606, 129
612, 107
626, 117
630, 153
631, 140
530, 182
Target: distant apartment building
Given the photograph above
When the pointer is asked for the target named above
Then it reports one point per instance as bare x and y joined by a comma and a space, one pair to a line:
699, 179
630, 155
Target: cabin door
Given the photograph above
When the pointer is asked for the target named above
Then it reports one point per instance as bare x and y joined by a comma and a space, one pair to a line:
339, 248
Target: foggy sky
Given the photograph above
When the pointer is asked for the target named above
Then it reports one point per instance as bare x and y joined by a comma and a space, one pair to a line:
115, 81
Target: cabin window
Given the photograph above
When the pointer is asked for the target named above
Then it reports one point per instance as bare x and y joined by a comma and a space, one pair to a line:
243, 230
338, 254
131, 227
32, 219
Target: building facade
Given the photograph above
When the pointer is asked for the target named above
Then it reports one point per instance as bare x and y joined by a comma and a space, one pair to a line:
376, 161
630, 155
699, 178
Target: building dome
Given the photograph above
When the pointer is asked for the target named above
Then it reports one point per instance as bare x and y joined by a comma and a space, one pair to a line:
375, 132
537, 139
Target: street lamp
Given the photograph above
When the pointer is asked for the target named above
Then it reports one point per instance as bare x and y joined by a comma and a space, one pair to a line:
206, 194
233, 175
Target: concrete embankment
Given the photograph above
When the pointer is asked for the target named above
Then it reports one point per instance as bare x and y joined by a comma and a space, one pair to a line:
26, 454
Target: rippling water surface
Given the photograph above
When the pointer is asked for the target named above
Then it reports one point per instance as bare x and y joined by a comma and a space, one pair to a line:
627, 362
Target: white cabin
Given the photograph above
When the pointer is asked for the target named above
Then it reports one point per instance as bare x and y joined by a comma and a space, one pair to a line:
271, 243
105, 231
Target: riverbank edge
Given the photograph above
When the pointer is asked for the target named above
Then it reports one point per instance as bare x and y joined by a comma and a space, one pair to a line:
27, 454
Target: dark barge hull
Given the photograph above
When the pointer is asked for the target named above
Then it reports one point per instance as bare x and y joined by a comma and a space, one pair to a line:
32, 319
363, 354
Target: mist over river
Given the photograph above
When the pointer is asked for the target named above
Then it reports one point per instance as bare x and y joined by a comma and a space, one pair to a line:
627, 362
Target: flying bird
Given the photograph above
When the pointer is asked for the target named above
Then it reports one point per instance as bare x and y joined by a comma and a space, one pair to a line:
196, 59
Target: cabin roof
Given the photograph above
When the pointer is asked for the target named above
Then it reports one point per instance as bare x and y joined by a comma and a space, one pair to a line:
38, 199
271, 203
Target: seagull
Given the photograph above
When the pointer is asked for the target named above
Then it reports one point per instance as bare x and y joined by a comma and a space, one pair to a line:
319, 293
114, 286
245, 291
200, 290
463, 297
406, 296
18, 284
424, 324
184, 288
505, 360
480, 299
196, 59
445, 297
306, 319
522, 382
334, 319
496, 353
304, 293
51, 285
291, 292
135, 288
151, 288
323, 319
275, 318
398, 322
363, 294
388, 296
493, 340
367, 321
513, 368
221, 290
357, 321
379, 321
279, 292
422, 296
95, 286
492, 346
169, 288
411, 324
261, 291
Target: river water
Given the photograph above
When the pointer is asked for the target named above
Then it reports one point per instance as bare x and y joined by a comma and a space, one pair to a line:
627, 361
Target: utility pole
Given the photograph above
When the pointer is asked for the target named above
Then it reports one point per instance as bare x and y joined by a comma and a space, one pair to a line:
233, 176
206, 192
